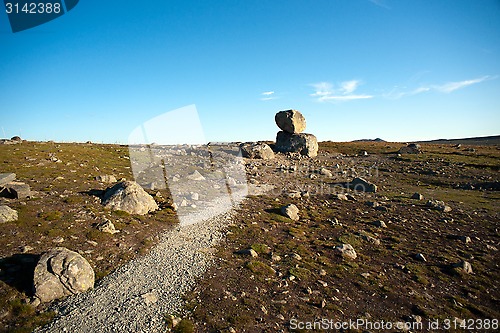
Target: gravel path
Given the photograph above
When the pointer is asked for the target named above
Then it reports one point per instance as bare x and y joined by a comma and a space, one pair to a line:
136, 296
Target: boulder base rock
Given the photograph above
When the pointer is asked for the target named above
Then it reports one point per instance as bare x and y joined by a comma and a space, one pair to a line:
61, 272
129, 197
7, 214
256, 150
291, 121
303, 143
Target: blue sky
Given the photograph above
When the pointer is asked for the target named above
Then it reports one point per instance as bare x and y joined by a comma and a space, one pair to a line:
399, 70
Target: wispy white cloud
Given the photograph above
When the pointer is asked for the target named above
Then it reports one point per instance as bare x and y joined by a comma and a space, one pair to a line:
325, 91
446, 88
452, 86
267, 96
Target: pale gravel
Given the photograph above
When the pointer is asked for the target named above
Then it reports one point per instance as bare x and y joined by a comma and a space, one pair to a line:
168, 271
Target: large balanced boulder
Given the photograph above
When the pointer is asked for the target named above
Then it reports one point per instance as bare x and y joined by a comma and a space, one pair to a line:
130, 197
256, 150
303, 143
291, 121
61, 272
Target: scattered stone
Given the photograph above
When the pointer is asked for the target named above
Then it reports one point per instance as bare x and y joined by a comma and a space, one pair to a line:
438, 205
248, 252
303, 143
149, 298
106, 179
417, 196
290, 121
295, 195
195, 196
129, 197
256, 150
7, 214
465, 239
26, 249
58, 240
360, 184
61, 272
326, 172
379, 223
107, 226
195, 176
371, 240
275, 257
347, 251
6, 178
411, 148
342, 197
463, 266
291, 211
420, 257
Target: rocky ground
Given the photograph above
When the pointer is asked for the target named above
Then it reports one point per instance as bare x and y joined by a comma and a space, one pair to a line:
411, 260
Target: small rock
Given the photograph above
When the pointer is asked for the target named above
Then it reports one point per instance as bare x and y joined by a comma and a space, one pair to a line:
417, 196
347, 251
291, 211
465, 239
326, 172
7, 214
149, 298
464, 266
296, 256
248, 252
438, 205
411, 148
275, 257
26, 249
371, 240
195, 176
420, 257
106, 179
341, 197
256, 150
58, 240
108, 227
360, 184
295, 195
195, 196
379, 223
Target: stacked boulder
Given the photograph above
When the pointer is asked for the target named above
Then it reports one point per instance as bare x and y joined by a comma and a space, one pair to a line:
291, 139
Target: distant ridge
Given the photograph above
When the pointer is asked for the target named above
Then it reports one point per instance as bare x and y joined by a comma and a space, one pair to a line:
485, 140
369, 140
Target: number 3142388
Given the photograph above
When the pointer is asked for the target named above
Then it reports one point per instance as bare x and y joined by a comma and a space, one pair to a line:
33, 8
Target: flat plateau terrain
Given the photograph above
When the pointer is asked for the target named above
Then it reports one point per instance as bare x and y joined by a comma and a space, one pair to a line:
298, 276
